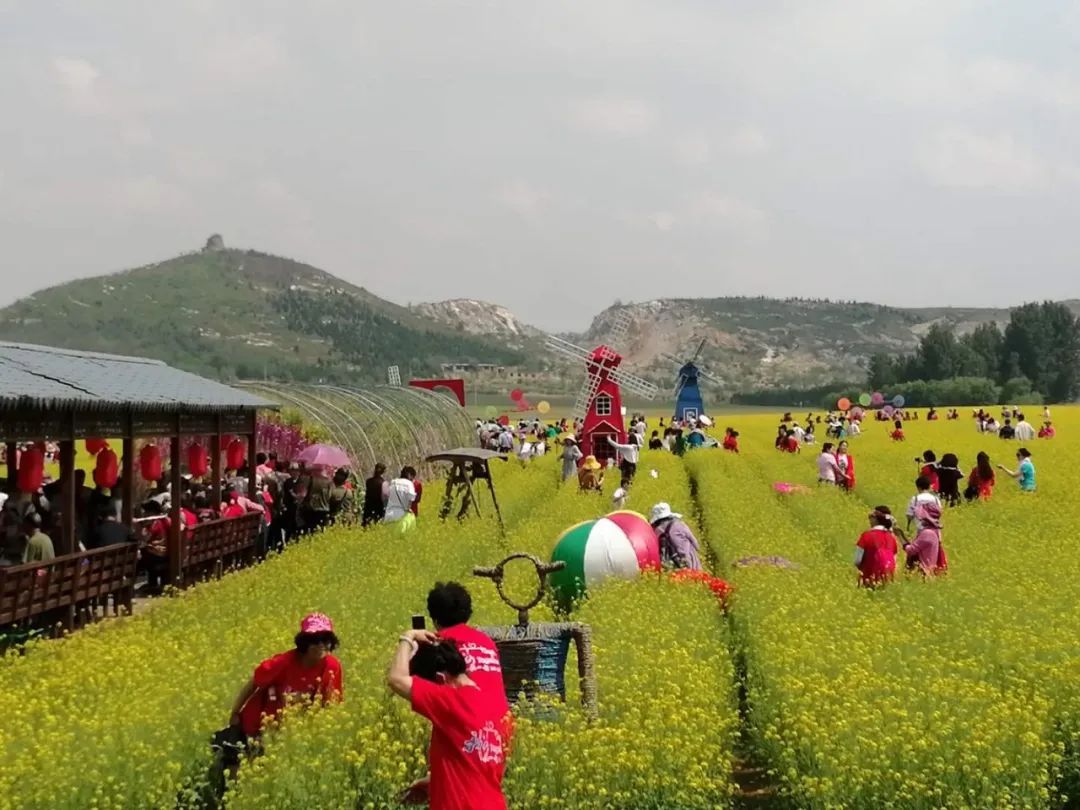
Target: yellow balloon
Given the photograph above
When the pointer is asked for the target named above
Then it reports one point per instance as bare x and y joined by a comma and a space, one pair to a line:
544, 406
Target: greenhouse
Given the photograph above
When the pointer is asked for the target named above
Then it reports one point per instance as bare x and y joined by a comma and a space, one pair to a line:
395, 425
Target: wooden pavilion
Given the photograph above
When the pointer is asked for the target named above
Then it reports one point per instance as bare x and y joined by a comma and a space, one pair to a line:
57, 395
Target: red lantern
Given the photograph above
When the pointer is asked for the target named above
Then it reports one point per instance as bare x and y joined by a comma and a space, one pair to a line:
197, 461
150, 463
95, 446
107, 470
31, 470
235, 455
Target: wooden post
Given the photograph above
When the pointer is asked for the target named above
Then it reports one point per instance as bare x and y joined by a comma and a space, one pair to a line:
12, 467
127, 491
252, 450
215, 467
67, 497
176, 482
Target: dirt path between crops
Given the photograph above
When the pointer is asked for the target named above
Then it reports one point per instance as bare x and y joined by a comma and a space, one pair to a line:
754, 787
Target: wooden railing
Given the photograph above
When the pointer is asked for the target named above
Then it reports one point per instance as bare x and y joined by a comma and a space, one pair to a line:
73, 586
210, 548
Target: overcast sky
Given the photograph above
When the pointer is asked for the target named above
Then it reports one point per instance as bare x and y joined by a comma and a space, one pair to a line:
552, 156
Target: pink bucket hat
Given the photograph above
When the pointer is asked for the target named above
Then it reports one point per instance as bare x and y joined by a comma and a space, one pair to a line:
316, 623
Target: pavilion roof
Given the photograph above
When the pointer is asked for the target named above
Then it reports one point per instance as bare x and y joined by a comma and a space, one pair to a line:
44, 377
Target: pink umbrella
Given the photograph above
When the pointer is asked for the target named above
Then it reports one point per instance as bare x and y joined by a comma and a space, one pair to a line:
324, 455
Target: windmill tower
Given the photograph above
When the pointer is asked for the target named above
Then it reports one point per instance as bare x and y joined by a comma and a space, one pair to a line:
688, 402
599, 402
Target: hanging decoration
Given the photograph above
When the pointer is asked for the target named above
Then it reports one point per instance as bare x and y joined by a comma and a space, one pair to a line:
235, 455
95, 446
31, 470
150, 463
198, 461
106, 470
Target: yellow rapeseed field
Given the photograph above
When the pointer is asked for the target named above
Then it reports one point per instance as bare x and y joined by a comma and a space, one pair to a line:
962, 692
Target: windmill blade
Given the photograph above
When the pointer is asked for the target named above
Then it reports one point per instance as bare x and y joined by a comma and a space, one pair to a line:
566, 348
620, 325
585, 395
633, 383
697, 354
710, 377
673, 359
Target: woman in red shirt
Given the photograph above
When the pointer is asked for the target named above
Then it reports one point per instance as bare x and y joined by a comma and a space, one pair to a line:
846, 464
982, 479
304, 673
875, 552
470, 727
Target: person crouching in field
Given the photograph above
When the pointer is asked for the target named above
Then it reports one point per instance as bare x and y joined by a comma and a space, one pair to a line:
875, 551
926, 552
897, 434
303, 674
470, 727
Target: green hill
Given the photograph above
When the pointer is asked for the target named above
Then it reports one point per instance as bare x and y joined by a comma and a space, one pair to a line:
236, 314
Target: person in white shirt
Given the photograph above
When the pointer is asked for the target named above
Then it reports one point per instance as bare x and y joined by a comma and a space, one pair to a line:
506, 440
631, 454
400, 494
828, 469
1024, 430
853, 428
800, 434
924, 495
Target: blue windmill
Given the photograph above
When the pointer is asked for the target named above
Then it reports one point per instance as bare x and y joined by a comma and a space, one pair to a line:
688, 402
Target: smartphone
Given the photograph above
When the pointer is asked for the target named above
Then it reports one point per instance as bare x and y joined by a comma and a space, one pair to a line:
417, 622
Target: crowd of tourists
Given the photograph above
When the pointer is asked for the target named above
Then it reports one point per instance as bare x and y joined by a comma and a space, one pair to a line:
940, 483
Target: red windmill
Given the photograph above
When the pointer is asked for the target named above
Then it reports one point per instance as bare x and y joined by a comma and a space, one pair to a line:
599, 402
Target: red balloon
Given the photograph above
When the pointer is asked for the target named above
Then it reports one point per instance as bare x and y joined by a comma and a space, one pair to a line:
95, 446
516, 394
107, 470
31, 470
198, 461
150, 463
235, 455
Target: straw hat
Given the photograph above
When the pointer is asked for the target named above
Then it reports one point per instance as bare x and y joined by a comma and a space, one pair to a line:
590, 463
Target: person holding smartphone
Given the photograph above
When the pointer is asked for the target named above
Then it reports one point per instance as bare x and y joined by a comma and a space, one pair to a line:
470, 728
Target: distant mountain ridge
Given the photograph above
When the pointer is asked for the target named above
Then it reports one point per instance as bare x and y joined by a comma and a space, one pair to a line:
242, 314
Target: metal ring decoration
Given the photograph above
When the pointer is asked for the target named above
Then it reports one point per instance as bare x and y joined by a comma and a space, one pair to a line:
542, 570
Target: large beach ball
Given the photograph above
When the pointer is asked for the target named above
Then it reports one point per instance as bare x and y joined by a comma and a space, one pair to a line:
621, 545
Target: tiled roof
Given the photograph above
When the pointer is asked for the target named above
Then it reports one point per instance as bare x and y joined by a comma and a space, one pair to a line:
46, 377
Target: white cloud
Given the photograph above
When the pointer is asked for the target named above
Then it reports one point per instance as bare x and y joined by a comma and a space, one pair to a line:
692, 149
712, 208
146, 193
663, 220
747, 140
280, 200
522, 198
958, 158
246, 58
79, 80
613, 116
990, 79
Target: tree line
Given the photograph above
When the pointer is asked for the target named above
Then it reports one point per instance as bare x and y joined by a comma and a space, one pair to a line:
1036, 357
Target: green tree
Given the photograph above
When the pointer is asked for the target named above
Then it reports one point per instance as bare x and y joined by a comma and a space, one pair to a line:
1045, 339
